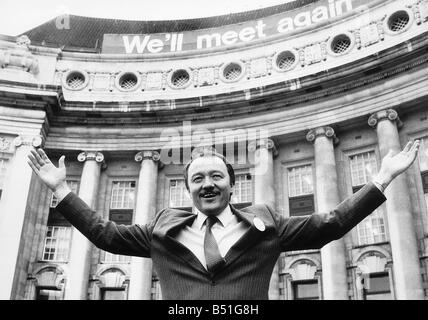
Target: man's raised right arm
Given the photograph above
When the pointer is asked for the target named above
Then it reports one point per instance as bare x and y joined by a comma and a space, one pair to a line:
132, 240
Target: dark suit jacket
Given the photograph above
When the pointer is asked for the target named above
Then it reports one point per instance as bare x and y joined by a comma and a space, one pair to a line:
249, 262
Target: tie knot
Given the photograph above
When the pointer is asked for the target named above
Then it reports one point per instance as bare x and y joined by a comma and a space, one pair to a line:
211, 220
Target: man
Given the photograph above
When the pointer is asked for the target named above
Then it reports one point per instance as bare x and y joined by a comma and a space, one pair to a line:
218, 252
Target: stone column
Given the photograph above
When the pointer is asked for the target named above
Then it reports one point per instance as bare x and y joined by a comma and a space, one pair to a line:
13, 208
141, 268
264, 190
327, 195
80, 253
406, 268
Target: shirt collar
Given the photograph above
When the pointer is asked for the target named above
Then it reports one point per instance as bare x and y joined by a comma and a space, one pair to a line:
225, 217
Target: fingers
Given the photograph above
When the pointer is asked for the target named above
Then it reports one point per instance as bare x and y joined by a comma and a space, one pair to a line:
408, 146
34, 163
43, 155
37, 157
61, 163
415, 147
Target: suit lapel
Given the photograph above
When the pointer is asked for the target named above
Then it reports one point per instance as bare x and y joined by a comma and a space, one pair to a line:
177, 220
250, 237
168, 232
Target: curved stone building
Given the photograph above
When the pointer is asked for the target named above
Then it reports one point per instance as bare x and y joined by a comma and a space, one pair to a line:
304, 98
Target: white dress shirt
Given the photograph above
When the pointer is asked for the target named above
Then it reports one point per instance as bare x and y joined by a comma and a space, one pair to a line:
226, 232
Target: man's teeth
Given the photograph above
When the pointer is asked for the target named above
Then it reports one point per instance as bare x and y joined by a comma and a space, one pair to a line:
208, 195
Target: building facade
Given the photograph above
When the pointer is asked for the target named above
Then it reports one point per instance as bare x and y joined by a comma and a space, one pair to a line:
304, 99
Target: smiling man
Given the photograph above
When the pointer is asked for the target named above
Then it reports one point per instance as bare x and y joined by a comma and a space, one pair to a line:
218, 252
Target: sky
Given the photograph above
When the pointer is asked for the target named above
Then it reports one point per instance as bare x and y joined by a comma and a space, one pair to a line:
18, 16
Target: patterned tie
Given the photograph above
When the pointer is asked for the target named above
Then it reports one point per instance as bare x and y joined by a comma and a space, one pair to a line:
212, 253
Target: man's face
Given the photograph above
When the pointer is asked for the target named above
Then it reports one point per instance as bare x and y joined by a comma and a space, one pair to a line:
209, 185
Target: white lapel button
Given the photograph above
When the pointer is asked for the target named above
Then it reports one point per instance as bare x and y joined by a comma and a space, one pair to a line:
258, 223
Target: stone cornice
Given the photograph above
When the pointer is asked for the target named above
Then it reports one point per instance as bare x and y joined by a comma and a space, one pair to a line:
401, 93
272, 98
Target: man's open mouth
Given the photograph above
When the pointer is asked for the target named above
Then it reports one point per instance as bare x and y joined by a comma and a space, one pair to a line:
208, 195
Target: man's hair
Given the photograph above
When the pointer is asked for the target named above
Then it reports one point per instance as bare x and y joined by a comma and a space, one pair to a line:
208, 152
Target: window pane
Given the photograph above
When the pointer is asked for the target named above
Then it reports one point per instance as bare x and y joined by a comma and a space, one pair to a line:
47, 294
178, 196
372, 229
115, 258
305, 290
378, 283
300, 181
378, 287
122, 195
243, 189
363, 168
113, 294
57, 243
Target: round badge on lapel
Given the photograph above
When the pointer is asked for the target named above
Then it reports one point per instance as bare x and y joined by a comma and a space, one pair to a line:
258, 223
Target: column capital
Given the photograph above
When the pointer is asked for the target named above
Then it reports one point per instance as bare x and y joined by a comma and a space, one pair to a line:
28, 140
147, 155
267, 143
4, 144
91, 155
388, 114
322, 131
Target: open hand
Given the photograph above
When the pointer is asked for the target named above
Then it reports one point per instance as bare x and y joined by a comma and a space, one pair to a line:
394, 165
52, 176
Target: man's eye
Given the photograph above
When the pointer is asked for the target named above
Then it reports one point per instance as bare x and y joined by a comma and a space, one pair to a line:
197, 179
217, 176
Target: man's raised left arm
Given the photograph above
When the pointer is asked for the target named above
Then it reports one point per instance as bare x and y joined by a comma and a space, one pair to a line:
316, 230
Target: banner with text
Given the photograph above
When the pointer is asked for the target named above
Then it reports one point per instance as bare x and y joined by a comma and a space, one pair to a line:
201, 39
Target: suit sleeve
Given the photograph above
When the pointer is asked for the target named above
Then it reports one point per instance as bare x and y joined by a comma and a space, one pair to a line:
316, 230
132, 240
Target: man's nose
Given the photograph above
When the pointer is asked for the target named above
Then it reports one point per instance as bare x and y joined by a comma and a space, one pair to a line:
208, 183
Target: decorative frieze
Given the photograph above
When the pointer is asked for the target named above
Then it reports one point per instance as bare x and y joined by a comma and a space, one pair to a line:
100, 82
420, 11
369, 34
4, 144
258, 68
205, 76
313, 53
153, 81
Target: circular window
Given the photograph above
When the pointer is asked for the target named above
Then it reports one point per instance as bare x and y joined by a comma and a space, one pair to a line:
398, 21
285, 60
128, 81
232, 72
180, 78
341, 44
75, 80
